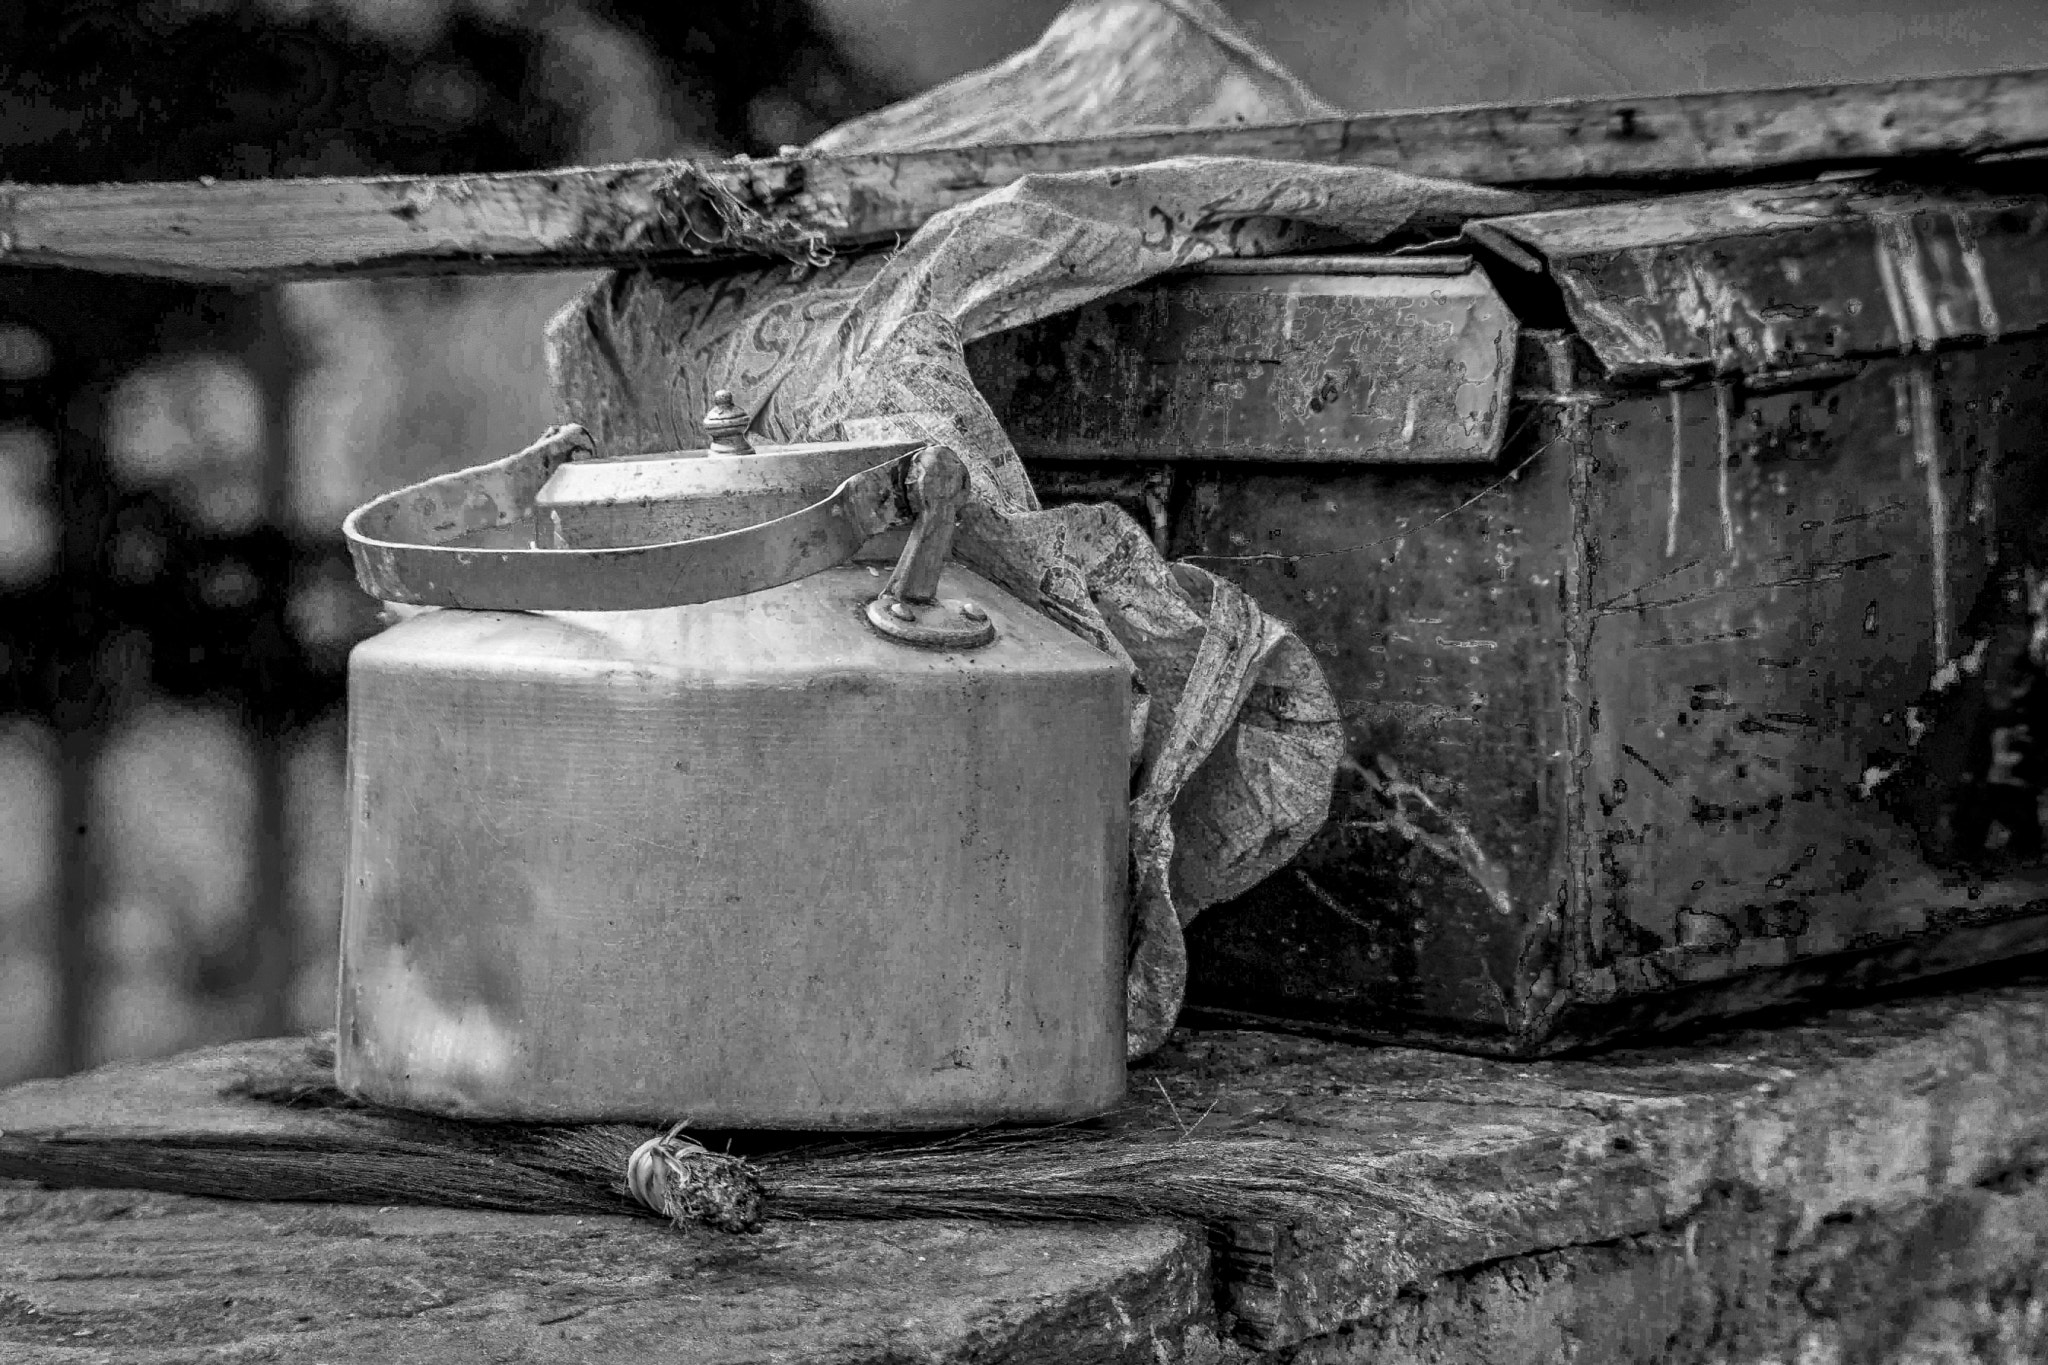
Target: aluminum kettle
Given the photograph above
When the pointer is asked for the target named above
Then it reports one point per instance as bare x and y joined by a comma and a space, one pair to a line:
686, 803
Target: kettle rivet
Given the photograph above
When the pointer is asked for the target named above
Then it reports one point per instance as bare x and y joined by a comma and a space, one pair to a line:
972, 611
901, 611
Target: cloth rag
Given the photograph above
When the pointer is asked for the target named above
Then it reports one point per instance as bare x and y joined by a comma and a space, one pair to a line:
1236, 733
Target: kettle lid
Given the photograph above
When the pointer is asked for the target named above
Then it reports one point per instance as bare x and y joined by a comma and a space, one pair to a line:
597, 500
442, 542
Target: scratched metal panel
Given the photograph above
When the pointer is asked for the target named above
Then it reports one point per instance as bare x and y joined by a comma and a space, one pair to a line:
1785, 277
1808, 618
1428, 904
1316, 365
1703, 703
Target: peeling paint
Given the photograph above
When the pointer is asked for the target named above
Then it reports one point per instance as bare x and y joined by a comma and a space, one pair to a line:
2037, 616
1724, 421
1752, 281
1677, 403
1963, 666
1899, 248
1307, 366
1980, 277
1927, 455
1894, 293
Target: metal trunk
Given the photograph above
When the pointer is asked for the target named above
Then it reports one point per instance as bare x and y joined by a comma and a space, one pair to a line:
1719, 685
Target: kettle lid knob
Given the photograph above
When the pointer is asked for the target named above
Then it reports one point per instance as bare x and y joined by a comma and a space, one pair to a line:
726, 424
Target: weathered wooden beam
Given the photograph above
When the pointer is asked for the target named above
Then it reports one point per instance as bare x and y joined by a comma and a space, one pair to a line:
1867, 1112
132, 1278
254, 231
1935, 1280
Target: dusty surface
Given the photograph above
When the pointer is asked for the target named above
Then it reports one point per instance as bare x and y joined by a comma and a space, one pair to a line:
1876, 1113
1404, 367
129, 1277
266, 230
1958, 1279
1710, 705
1749, 1193
1785, 277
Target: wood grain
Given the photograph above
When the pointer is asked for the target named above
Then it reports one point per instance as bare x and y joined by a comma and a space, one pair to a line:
1960, 1277
653, 212
133, 1278
1867, 1110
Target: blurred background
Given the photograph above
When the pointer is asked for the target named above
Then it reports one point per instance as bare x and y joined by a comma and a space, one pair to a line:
175, 604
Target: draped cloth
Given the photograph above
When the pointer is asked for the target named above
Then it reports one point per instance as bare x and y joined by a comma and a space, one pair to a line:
1235, 731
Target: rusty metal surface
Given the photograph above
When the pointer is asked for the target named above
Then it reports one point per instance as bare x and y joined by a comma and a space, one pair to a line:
1809, 618
1375, 367
1782, 277
1431, 598
1659, 719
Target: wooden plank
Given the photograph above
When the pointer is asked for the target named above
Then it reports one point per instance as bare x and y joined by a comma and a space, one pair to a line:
1933, 1281
1786, 277
1874, 1110
132, 1278
266, 230
1871, 1110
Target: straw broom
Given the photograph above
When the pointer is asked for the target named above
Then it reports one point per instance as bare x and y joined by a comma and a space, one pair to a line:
1070, 1173
1078, 1172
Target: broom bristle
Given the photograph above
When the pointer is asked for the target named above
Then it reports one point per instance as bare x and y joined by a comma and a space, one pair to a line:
1122, 1170
1068, 1174
1045, 1174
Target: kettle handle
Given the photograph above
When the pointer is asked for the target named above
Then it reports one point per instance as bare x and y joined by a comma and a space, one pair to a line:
401, 542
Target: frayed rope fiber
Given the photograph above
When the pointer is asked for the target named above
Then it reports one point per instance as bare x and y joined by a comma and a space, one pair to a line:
736, 225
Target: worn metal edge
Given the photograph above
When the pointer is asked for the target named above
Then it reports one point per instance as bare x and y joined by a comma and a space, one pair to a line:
1324, 264
2016, 947
1560, 275
1243, 276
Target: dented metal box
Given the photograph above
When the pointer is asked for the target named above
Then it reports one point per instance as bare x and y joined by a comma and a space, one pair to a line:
1719, 685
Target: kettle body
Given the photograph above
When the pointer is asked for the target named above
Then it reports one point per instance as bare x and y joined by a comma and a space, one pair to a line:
749, 862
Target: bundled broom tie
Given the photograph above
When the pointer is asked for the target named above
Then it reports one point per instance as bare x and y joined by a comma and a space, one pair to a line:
1062, 1173
686, 1182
